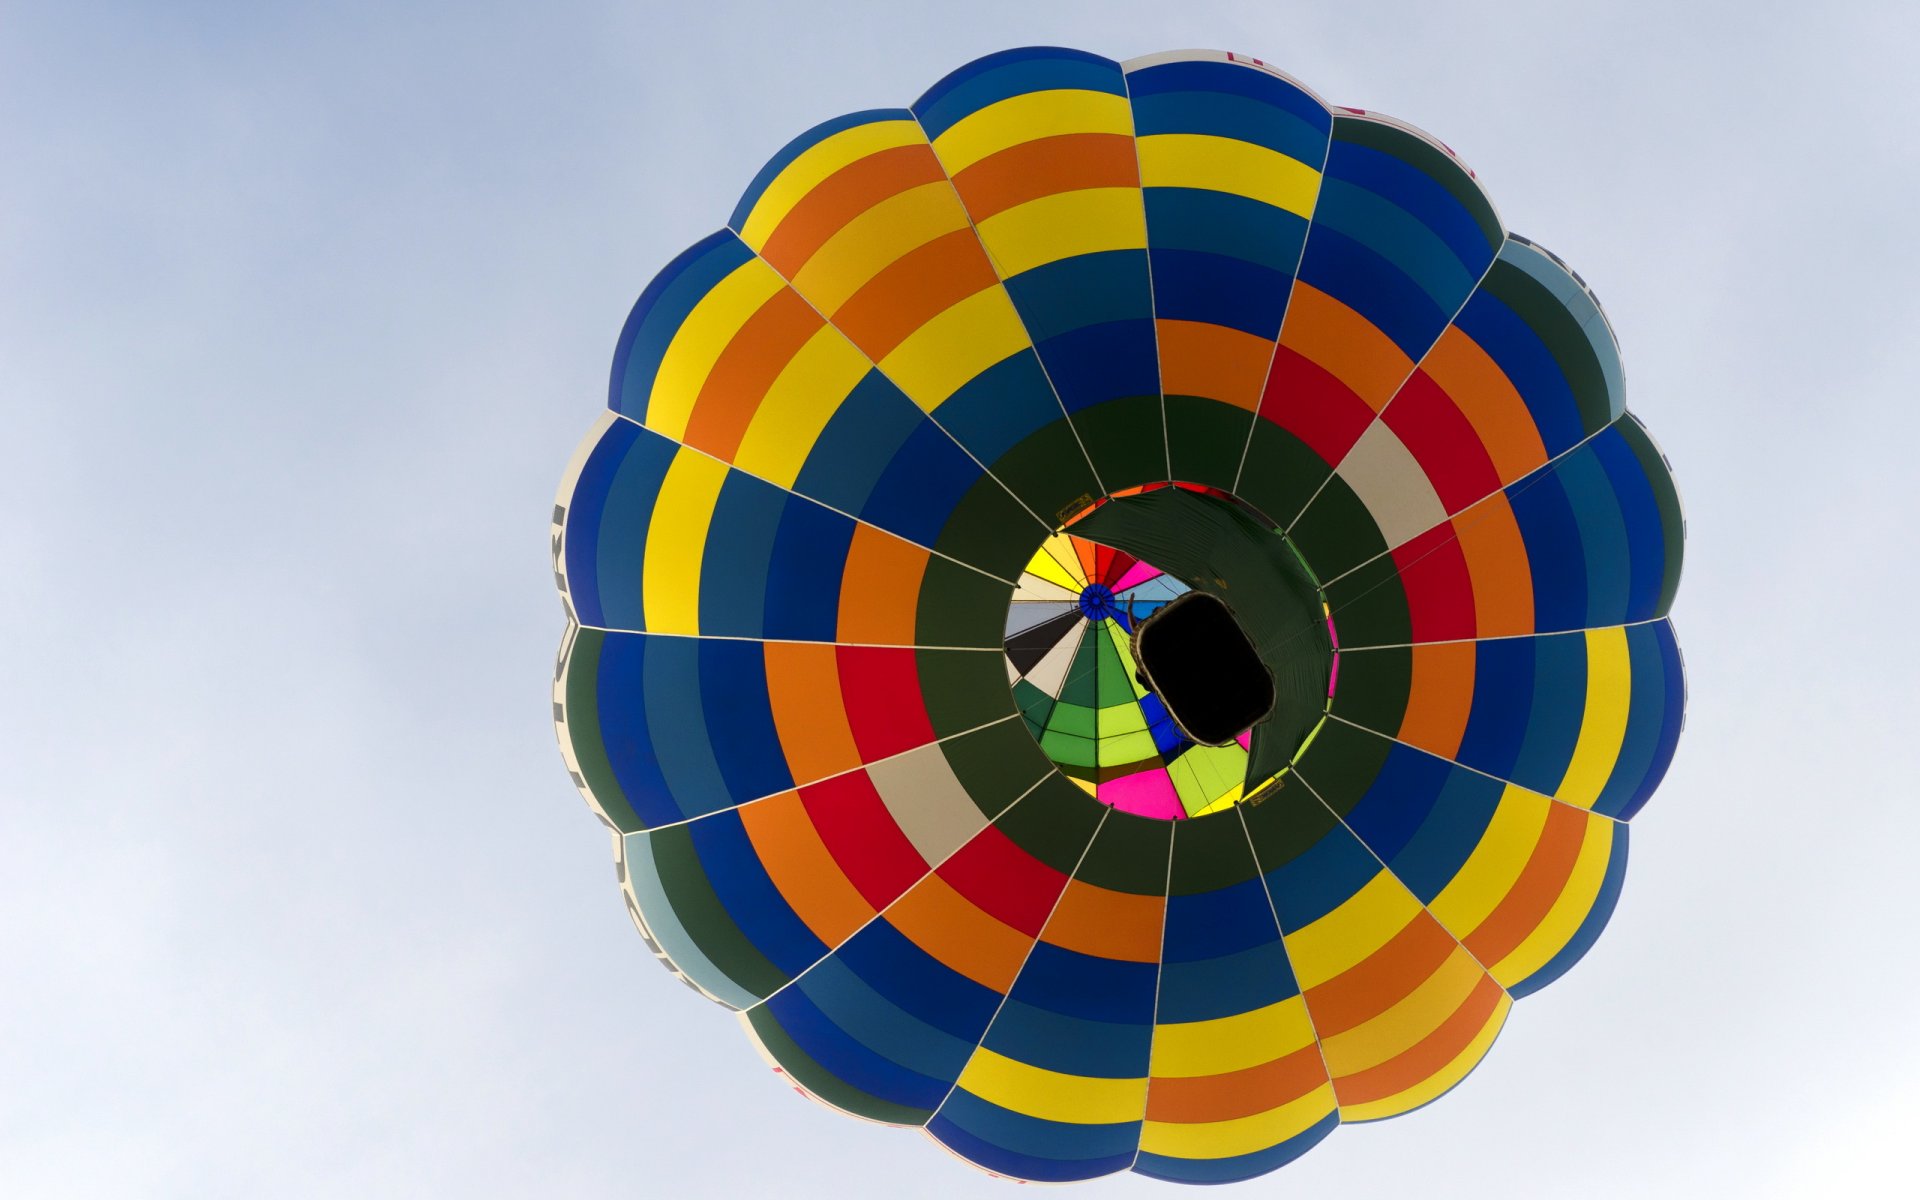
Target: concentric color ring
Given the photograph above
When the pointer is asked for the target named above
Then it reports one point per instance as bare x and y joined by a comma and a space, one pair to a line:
841, 427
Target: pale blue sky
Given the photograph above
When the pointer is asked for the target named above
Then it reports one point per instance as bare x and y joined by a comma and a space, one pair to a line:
303, 312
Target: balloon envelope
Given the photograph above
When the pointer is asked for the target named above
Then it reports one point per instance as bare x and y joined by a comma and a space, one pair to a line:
895, 467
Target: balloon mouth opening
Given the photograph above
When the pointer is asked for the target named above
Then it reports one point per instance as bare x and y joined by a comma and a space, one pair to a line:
1195, 655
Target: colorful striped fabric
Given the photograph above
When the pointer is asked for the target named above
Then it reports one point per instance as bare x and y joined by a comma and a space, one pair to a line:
863, 715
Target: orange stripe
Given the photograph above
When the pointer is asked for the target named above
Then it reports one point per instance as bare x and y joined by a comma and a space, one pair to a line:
746, 369
1237, 1093
802, 868
955, 931
1108, 924
841, 197
1381, 980
1433, 1052
1342, 342
913, 289
803, 684
1440, 698
1045, 166
880, 588
1199, 359
1497, 563
1486, 397
1541, 881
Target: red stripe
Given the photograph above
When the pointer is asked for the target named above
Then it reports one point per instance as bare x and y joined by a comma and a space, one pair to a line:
881, 690
1443, 442
1310, 402
863, 838
1433, 569
1005, 881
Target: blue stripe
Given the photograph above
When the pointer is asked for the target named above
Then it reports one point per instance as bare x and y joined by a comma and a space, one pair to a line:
1589, 931
1502, 703
620, 702
1225, 921
1231, 292
1373, 287
1073, 984
849, 1002
1026, 1147
919, 984
1226, 986
1555, 556
1398, 801
1239, 1167
1320, 879
733, 869
1255, 121
1225, 224
739, 719
586, 512
1070, 1045
1672, 718
1009, 73
1214, 78
1527, 363
805, 571
657, 316
1559, 708
675, 717
733, 562
1449, 834
923, 485
840, 1053
861, 438
1104, 362
1000, 407
1397, 236
800, 145
1646, 538
1419, 194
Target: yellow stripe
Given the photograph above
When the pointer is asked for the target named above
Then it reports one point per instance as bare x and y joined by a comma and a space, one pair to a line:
1438, 1082
803, 398
1027, 118
1401, 1027
936, 359
1495, 864
1050, 1095
1569, 909
1186, 1049
1242, 1135
699, 341
1218, 164
1050, 566
1604, 726
1348, 935
1062, 225
815, 164
875, 239
676, 538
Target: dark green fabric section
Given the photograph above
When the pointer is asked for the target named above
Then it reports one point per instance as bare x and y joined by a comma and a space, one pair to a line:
1210, 853
1049, 471
1205, 439
1219, 548
959, 607
1342, 763
1054, 823
1667, 498
997, 765
1374, 685
1286, 820
583, 730
1548, 317
1370, 606
991, 530
824, 1083
706, 921
1337, 533
1281, 474
1129, 854
1126, 440
1411, 148
963, 689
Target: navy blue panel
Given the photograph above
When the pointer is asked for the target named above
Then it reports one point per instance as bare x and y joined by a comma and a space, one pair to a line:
1453, 826
1419, 194
1645, 715
1080, 985
739, 718
1646, 537
1103, 362
1196, 286
732, 867
1047, 1151
620, 704
1215, 79
1528, 364
922, 486
1239, 1167
1373, 287
892, 965
1223, 115
1069, 1044
659, 312
846, 1057
681, 740
1603, 536
1224, 921
1670, 722
1009, 73
1559, 707
733, 564
1502, 703
860, 439
1555, 556
805, 571
1087, 289
1226, 986
850, 1003
1221, 223
1398, 800
586, 513
1319, 880
997, 409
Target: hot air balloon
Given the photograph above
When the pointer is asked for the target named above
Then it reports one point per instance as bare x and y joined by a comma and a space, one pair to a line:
1117, 616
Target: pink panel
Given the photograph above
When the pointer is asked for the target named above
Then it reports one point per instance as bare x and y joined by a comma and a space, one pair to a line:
1146, 793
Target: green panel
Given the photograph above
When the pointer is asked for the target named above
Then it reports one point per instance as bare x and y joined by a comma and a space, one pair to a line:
1054, 823
1115, 684
997, 765
1286, 820
1374, 686
963, 689
1072, 750
1206, 439
1210, 853
961, 607
1342, 763
707, 922
1549, 318
1370, 606
824, 1083
583, 731
1337, 533
991, 530
1431, 159
1049, 471
1083, 679
1126, 439
1667, 498
1281, 474
1130, 855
